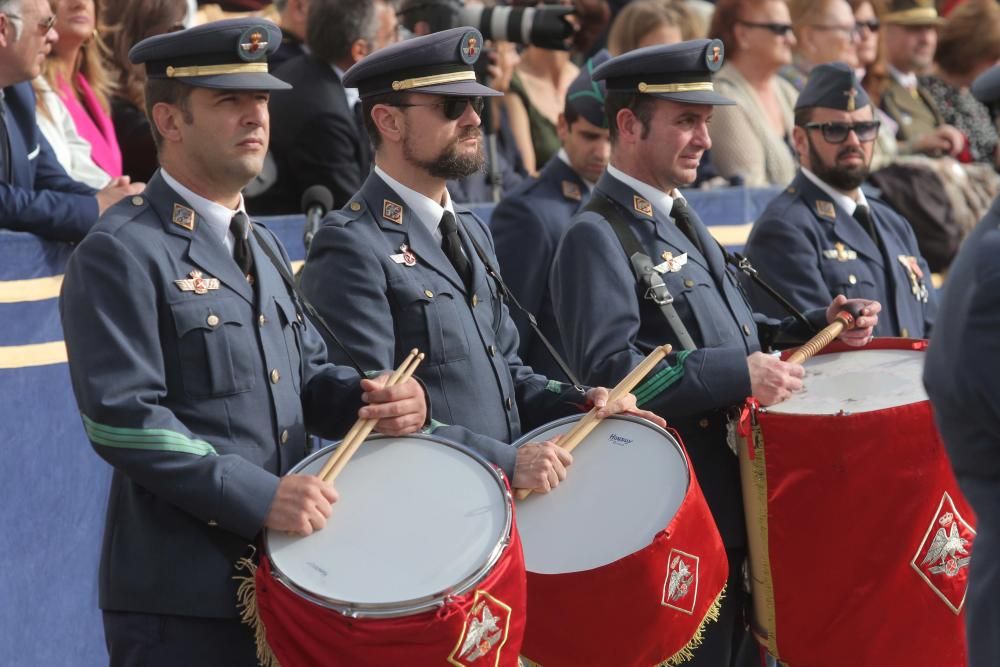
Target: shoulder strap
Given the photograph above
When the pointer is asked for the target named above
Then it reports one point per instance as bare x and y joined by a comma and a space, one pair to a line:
642, 266
286, 276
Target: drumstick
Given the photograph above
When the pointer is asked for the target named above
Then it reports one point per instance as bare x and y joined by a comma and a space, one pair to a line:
844, 321
402, 374
352, 434
583, 427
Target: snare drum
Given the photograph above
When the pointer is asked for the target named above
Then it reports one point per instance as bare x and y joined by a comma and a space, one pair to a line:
625, 563
859, 537
419, 564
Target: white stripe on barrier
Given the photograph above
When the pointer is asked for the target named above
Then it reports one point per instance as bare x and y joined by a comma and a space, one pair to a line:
32, 289
39, 354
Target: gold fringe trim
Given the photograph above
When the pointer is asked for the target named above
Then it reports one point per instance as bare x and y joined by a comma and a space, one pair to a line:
246, 602
687, 652
760, 478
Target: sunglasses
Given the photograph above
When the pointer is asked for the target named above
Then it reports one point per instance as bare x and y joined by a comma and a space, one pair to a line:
453, 107
46, 23
837, 133
872, 25
779, 29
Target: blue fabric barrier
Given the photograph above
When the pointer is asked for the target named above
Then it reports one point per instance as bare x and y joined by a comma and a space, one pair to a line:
53, 487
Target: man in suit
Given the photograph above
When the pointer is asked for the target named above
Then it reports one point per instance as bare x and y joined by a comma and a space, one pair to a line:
36, 195
823, 236
910, 41
196, 373
528, 223
401, 266
318, 137
659, 102
961, 378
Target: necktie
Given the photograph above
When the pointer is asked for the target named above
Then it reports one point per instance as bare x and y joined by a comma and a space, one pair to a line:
239, 226
682, 218
452, 246
864, 218
4, 144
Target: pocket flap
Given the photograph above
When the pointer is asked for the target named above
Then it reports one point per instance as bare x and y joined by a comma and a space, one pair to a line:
209, 315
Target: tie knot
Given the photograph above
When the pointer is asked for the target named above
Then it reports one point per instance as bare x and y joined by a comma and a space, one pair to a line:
239, 224
679, 207
447, 225
861, 213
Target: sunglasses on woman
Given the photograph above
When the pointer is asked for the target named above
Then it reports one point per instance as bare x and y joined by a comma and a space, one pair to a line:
453, 107
836, 133
779, 29
872, 25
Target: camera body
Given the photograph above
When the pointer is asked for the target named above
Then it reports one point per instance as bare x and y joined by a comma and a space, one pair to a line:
545, 26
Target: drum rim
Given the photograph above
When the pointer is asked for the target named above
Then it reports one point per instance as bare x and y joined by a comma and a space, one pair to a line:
671, 438
412, 606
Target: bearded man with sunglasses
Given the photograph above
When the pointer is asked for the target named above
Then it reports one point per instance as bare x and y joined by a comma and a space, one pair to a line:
823, 235
401, 266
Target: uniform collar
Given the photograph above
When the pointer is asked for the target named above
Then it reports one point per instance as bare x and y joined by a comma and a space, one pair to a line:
840, 199
564, 157
427, 210
660, 200
905, 79
213, 214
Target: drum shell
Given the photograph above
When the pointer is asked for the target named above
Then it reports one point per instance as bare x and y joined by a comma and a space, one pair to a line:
616, 614
839, 512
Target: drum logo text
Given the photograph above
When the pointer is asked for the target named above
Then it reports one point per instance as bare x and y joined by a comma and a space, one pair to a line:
680, 589
484, 633
619, 440
942, 560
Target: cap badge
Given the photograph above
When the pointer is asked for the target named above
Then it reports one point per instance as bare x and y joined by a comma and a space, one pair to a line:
253, 45
183, 217
197, 283
571, 190
392, 211
642, 206
469, 47
713, 55
826, 209
851, 101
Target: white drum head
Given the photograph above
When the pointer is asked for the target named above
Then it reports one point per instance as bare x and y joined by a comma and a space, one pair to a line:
417, 519
627, 481
860, 381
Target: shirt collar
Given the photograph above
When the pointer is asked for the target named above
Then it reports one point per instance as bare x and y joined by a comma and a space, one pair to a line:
214, 214
427, 210
844, 201
564, 156
905, 79
352, 94
658, 198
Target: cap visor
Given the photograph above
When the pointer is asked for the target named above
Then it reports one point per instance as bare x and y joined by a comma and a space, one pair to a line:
986, 88
243, 81
458, 89
696, 97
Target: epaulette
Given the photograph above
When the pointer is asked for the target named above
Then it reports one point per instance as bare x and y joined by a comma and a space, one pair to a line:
339, 218
125, 211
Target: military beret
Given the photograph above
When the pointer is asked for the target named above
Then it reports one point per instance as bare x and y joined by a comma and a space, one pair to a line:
833, 86
678, 72
586, 96
440, 63
986, 87
911, 12
230, 54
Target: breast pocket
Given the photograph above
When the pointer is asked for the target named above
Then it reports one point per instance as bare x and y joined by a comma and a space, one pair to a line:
430, 321
291, 329
217, 351
852, 279
700, 303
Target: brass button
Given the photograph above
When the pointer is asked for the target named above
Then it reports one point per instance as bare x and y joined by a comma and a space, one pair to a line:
137, 201
746, 329
213, 522
275, 376
475, 300
284, 436
213, 320
703, 422
509, 403
429, 294
853, 279
492, 350
905, 333
355, 206
261, 319
688, 283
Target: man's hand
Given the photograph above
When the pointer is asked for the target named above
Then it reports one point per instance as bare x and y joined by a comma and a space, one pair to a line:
115, 191
861, 334
598, 397
944, 140
540, 466
773, 380
301, 505
400, 410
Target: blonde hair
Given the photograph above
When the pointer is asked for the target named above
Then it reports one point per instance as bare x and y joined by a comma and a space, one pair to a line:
641, 17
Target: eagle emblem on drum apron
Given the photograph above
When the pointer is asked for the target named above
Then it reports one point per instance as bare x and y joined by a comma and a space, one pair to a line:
942, 560
680, 589
484, 633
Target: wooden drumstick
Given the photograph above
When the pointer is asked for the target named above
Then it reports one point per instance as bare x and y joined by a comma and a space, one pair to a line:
575, 435
352, 435
845, 320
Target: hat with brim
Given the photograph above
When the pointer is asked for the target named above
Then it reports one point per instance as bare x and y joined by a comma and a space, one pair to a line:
986, 87
676, 72
229, 55
912, 12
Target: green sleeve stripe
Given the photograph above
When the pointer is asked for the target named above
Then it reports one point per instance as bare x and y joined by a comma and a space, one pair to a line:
157, 439
655, 385
555, 386
435, 425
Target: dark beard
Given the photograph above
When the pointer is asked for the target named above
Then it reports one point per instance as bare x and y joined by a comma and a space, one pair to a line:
845, 179
450, 164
